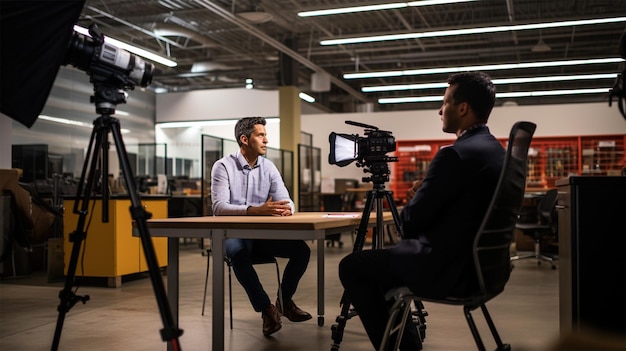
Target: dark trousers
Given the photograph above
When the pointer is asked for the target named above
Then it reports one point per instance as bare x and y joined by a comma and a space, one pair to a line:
366, 277
240, 252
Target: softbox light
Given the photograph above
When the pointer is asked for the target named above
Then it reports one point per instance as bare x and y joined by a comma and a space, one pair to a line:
34, 37
343, 149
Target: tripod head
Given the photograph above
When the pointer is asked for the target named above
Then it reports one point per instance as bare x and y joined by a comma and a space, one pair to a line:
106, 97
380, 173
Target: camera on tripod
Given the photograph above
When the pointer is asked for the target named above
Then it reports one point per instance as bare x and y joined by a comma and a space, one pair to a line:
369, 151
105, 63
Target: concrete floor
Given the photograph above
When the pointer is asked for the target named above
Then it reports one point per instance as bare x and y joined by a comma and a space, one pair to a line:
127, 318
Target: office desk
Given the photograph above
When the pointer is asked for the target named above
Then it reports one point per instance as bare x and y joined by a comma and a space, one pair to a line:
301, 226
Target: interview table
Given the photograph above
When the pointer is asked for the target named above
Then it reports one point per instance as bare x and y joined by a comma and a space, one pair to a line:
301, 226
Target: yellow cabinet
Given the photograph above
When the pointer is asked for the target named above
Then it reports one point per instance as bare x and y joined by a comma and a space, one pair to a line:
109, 249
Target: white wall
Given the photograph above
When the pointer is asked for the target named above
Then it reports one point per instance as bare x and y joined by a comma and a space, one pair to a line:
201, 105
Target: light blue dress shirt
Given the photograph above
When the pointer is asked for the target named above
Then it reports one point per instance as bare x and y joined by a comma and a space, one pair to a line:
235, 186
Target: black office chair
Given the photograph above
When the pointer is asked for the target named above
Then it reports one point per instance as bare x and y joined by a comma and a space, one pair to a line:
546, 224
256, 259
490, 249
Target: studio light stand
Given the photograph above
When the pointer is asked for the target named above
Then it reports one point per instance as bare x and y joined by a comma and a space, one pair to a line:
106, 98
375, 197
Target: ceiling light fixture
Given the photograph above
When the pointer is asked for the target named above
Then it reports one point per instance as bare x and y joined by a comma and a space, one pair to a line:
135, 50
256, 17
73, 122
504, 66
409, 99
400, 87
207, 66
388, 6
175, 30
306, 97
541, 46
482, 30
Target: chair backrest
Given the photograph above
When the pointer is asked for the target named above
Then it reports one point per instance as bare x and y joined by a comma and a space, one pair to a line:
496, 233
547, 206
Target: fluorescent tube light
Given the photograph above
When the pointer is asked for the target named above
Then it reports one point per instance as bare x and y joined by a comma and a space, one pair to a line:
73, 122
306, 97
553, 92
135, 50
388, 6
343, 10
495, 81
505, 66
482, 30
401, 100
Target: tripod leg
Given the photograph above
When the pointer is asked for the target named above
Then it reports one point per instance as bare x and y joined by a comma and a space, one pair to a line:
346, 313
170, 332
365, 218
68, 298
394, 212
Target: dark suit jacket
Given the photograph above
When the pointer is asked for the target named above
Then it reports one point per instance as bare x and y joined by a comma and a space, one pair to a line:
440, 222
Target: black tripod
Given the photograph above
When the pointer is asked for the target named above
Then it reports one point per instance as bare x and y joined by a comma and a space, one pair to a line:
106, 98
380, 174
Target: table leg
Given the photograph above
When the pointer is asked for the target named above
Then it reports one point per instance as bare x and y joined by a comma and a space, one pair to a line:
172, 280
217, 242
320, 282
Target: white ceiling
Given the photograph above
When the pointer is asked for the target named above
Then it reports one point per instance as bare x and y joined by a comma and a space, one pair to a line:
234, 49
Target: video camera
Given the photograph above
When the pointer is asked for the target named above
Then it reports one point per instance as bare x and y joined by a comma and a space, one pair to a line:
106, 63
369, 151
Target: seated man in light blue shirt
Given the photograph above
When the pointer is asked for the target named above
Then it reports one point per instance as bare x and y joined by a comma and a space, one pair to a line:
245, 184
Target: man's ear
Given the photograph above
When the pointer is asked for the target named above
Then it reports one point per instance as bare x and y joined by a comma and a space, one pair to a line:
243, 139
464, 108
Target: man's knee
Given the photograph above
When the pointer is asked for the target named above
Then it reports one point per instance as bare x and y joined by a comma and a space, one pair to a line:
305, 249
346, 268
234, 247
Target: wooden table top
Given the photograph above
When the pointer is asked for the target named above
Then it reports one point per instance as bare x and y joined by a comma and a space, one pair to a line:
299, 221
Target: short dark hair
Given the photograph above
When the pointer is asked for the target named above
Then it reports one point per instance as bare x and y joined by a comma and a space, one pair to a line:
477, 90
245, 126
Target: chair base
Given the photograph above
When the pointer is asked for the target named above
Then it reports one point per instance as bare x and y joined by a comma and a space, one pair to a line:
406, 304
537, 255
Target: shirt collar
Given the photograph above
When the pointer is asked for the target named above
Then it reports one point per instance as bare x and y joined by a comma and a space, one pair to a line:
472, 127
244, 163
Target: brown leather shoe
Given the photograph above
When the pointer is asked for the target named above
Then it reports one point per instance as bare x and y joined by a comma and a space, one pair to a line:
293, 312
271, 320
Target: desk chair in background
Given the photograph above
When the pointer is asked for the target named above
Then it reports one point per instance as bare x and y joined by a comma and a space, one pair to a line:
490, 251
256, 259
546, 224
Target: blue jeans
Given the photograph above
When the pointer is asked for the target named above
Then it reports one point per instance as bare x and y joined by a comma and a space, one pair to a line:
240, 252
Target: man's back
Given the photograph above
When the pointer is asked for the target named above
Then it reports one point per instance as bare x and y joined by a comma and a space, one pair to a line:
448, 208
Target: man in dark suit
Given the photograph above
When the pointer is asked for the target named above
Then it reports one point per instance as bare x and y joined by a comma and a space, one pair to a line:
441, 219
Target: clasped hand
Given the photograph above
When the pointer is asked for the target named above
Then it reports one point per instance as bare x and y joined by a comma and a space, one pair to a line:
272, 208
